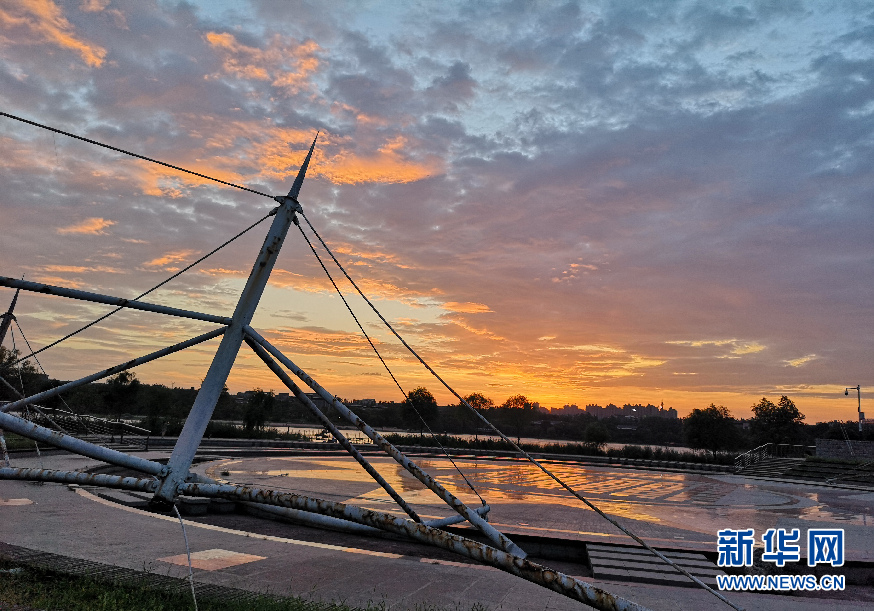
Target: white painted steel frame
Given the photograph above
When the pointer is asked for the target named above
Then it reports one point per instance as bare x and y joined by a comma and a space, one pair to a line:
47, 394
175, 478
48, 289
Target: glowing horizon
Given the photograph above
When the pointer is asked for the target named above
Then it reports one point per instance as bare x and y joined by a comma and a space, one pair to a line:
609, 206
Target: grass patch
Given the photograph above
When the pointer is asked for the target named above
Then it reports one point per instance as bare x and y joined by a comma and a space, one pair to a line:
17, 442
46, 589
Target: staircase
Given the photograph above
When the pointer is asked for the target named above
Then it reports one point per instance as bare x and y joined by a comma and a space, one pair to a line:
771, 467
113, 434
615, 563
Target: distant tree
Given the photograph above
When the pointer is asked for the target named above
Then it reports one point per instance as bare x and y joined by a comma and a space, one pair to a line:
258, 409
120, 393
24, 377
712, 428
780, 423
597, 435
517, 402
422, 401
478, 400
225, 406
518, 411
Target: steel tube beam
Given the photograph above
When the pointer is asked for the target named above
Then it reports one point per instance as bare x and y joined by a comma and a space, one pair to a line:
494, 535
48, 289
530, 571
322, 521
211, 388
28, 429
318, 520
80, 478
483, 511
326, 422
112, 370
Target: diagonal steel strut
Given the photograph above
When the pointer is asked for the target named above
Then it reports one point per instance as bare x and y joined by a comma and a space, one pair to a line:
495, 536
326, 422
211, 388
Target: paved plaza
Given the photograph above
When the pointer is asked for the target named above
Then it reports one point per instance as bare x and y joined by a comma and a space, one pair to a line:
669, 510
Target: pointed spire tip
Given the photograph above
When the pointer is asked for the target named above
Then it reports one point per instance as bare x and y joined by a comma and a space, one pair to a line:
298, 182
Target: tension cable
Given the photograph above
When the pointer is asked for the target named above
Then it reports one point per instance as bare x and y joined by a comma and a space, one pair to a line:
118, 150
515, 446
154, 288
384, 364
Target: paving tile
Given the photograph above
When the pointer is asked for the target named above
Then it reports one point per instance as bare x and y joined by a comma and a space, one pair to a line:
212, 559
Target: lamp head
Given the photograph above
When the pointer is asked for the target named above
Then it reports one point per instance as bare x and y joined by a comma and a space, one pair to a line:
846, 391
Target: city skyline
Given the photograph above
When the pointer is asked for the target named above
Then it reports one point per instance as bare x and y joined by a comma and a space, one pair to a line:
581, 203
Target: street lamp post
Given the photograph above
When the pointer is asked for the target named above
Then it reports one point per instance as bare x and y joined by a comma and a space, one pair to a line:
858, 390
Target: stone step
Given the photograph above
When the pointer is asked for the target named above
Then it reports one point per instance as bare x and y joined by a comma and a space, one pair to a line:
641, 566
648, 559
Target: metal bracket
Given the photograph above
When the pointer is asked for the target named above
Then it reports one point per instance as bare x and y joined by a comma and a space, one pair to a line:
292, 203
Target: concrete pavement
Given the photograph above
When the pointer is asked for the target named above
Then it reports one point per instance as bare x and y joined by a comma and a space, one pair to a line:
285, 559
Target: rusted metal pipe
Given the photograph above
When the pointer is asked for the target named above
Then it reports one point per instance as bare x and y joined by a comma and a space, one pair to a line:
112, 370
28, 429
47, 289
440, 523
316, 519
494, 535
530, 571
326, 422
80, 478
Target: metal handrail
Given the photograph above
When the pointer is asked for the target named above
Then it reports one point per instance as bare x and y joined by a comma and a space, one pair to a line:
96, 428
751, 457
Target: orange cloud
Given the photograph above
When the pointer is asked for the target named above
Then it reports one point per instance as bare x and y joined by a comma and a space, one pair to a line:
44, 22
389, 164
239, 151
284, 63
93, 6
57, 280
380, 257
171, 257
466, 308
79, 269
92, 226
161, 181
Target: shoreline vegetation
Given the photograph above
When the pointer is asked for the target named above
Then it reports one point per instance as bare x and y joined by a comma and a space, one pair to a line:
574, 449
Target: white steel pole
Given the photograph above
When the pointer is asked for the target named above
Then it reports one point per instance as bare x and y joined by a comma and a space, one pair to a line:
214, 382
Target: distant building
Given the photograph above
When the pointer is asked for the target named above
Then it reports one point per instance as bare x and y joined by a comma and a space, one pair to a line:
317, 400
242, 397
567, 410
633, 411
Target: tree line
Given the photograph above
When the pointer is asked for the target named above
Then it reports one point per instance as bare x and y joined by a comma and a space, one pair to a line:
163, 409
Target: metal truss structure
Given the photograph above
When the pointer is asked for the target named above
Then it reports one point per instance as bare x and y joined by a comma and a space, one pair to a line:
168, 482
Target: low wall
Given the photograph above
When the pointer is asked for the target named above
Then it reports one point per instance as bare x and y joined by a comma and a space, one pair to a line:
837, 448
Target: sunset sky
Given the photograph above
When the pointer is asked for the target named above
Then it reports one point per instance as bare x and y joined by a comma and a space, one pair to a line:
584, 202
